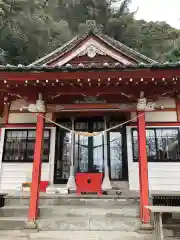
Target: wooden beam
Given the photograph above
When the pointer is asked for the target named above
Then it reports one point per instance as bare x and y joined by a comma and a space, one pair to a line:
91, 107
147, 74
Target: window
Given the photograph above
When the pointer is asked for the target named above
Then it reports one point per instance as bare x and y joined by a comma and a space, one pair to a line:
163, 144
89, 151
19, 146
115, 152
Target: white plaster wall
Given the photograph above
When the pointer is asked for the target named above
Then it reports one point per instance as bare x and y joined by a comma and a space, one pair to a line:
161, 116
14, 174
166, 102
19, 103
157, 116
162, 176
25, 118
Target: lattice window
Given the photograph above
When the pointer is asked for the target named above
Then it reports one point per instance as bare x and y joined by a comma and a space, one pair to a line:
19, 145
163, 144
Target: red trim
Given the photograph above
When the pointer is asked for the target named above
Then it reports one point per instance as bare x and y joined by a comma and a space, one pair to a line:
143, 168
157, 124
113, 106
36, 175
147, 74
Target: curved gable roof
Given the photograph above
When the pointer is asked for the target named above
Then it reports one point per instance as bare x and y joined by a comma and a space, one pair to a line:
116, 46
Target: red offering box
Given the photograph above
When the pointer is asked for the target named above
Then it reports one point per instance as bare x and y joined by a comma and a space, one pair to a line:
89, 183
43, 186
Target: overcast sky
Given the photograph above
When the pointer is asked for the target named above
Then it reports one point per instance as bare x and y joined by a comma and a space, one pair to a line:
162, 10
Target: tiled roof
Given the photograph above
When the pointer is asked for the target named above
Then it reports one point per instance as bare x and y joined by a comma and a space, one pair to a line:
61, 50
118, 46
91, 67
125, 49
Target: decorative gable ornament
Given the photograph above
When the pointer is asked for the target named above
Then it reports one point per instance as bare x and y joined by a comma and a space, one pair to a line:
38, 107
143, 105
91, 52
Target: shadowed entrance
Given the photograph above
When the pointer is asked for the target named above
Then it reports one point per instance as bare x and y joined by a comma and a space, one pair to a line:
89, 151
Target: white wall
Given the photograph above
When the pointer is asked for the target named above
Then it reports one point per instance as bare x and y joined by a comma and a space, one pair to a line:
25, 118
157, 116
160, 116
166, 102
14, 174
19, 103
162, 176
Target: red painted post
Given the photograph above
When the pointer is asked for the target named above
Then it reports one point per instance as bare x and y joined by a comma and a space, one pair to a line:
143, 168
36, 174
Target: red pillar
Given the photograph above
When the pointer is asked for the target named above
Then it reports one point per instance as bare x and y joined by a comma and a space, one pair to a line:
143, 168
36, 174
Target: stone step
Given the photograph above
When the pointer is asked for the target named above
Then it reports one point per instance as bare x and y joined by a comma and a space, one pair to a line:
54, 211
120, 185
92, 235
93, 223
14, 211
105, 201
80, 235
12, 223
76, 211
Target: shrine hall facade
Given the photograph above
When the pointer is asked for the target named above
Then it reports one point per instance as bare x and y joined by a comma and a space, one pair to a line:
91, 84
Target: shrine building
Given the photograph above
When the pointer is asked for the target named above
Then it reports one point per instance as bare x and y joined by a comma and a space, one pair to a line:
93, 105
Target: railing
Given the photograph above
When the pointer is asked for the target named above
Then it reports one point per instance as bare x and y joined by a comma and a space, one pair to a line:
166, 200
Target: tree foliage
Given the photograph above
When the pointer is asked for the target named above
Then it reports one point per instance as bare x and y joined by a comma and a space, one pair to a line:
31, 28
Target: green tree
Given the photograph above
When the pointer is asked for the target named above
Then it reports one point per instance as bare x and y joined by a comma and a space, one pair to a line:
28, 32
29, 29
155, 38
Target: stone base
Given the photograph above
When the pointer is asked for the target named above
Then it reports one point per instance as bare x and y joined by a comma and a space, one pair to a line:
30, 226
71, 184
51, 190
25, 189
106, 184
145, 228
57, 190
62, 191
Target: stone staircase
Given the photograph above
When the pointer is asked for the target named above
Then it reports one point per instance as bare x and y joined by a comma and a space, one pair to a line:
114, 216
106, 215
